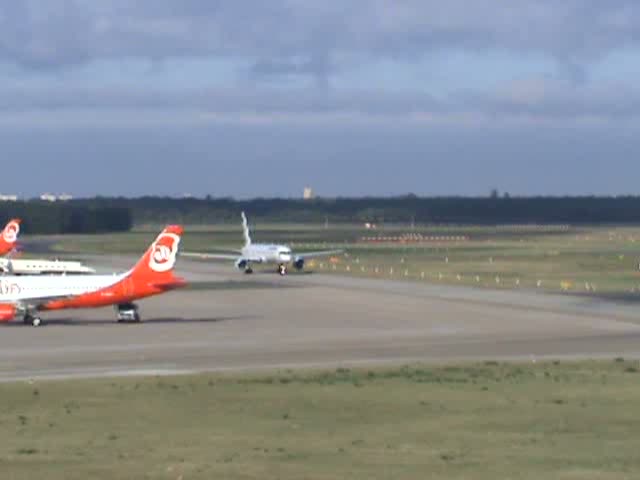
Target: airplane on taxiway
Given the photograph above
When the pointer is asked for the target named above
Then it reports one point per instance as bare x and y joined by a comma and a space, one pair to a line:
9, 264
251, 253
24, 296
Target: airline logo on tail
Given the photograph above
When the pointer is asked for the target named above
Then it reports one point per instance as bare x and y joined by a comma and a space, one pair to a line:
164, 252
11, 231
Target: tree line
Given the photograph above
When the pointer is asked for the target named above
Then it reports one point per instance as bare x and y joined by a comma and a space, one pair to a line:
67, 217
491, 210
103, 214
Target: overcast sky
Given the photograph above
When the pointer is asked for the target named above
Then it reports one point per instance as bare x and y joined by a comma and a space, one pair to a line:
352, 97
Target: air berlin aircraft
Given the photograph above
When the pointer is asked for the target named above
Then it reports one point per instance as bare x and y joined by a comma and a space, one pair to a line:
25, 296
9, 236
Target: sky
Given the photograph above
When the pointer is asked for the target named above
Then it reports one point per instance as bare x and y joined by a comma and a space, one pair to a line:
249, 98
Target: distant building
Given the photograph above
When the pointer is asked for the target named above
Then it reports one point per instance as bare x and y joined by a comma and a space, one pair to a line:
49, 197
8, 198
308, 193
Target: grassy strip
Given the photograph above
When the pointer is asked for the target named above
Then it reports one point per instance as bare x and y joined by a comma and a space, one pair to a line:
593, 261
485, 421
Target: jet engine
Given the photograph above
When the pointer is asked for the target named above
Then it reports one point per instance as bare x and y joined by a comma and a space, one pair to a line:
7, 312
299, 263
241, 264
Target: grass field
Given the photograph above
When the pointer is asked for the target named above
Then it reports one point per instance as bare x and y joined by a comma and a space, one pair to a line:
587, 260
486, 421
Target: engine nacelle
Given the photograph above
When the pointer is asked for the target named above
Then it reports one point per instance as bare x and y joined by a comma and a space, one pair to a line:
7, 312
241, 264
298, 263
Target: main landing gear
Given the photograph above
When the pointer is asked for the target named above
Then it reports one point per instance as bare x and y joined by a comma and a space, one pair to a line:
127, 313
282, 269
32, 319
248, 270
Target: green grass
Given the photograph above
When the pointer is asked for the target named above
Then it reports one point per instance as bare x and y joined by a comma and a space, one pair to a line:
485, 421
590, 260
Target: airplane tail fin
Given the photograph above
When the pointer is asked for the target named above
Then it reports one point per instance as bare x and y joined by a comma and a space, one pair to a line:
245, 230
157, 264
9, 237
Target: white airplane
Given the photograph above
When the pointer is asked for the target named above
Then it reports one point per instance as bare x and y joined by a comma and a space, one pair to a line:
25, 296
8, 264
264, 253
18, 266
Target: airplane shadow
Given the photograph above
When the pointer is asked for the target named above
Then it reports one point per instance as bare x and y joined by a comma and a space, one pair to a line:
70, 322
290, 273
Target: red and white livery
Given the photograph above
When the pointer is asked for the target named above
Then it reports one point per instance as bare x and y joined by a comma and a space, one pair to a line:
25, 296
9, 236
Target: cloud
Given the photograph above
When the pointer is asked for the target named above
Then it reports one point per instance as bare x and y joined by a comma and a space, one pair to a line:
557, 99
533, 102
59, 33
283, 41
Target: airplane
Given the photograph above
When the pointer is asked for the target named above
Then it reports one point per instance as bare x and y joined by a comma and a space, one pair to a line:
9, 237
42, 267
10, 265
26, 296
263, 253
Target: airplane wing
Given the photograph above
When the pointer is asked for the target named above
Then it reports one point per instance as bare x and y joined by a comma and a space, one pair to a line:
323, 253
215, 256
37, 302
223, 256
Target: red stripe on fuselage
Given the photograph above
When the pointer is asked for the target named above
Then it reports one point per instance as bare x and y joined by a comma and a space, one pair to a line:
124, 291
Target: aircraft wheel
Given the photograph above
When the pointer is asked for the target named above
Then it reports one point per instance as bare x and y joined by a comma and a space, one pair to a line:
282, 270
29, 319
127, 313
248, 271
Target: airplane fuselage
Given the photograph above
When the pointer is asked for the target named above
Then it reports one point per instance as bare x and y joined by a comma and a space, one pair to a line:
267, 253
75, 291
42, 267
16, 288
152, 274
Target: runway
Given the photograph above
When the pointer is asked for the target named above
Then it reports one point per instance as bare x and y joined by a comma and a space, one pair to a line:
231, 321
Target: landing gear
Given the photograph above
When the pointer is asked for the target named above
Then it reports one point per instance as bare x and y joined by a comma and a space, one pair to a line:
127, 313
33, 320
282, 269
248, 270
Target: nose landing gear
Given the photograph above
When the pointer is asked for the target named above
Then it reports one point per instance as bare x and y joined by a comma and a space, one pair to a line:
282, 269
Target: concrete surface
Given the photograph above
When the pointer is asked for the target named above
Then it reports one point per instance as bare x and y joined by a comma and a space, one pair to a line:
232, 321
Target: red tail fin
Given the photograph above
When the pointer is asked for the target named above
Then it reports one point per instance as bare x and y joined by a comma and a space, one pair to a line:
156, 265
9, 236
